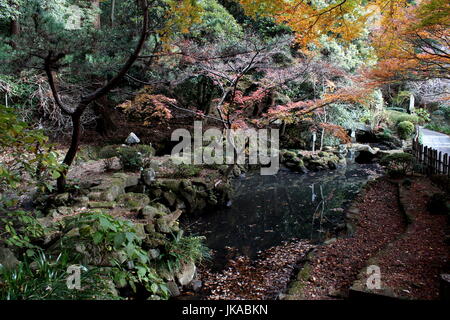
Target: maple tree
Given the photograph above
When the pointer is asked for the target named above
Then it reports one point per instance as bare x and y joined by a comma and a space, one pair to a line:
412, 42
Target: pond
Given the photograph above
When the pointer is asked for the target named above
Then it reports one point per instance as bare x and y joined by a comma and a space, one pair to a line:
267, 210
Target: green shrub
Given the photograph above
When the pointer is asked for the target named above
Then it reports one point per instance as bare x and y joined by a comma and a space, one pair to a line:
43, 278
397, 164
108, 152
424, 115
102, 235
405, 129
187, 171
132, 157
183, 249
114, 150
443, 128
395, 117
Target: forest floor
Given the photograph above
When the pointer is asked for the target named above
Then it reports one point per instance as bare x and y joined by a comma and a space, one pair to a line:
411, 255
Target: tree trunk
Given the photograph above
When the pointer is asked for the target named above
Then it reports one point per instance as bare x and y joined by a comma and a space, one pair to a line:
14, 29
75, 142
96, 6
113, 9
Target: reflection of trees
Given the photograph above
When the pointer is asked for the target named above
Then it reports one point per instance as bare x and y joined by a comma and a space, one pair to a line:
292, 205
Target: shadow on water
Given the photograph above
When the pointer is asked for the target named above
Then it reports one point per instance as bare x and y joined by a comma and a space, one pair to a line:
267, 210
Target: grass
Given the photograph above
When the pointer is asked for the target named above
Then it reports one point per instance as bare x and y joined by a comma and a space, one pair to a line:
439, 127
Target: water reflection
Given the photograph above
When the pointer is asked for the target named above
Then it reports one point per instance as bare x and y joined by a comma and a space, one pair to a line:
267, 210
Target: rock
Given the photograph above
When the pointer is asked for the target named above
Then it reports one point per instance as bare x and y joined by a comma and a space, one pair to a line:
150, 228
196, 285
62, 199
173, 289
170, 198
128, 180
153, 253
150, 212
65, 210
46, 222
162, 226
154, 240
148, 176
332, 165
102, 204
133, 201
186, 273
82, 201
95, 196
363, 147
7, 259
140, 230
113, 192
132, 139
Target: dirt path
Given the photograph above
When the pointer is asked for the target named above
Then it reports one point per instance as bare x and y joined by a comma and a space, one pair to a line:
334, 267
411, 253
411, 265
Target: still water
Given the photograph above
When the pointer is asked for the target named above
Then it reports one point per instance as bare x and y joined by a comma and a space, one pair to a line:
267, 210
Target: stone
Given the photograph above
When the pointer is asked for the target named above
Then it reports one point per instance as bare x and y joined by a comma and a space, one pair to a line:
95, 196
154, 253
148, 176
113, 192
62, 199
173, 289
150, 212
186, 273
82, 201
162, 226
132, 139
140, 230
332, 165
65, 210
170, 198
134, 201
102, 204
150, 228
7, 259
196, 285
128, 180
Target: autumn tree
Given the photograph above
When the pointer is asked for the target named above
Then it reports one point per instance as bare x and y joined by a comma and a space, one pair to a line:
74, 46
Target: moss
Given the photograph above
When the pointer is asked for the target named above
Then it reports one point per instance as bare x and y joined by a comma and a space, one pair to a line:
396, 117
133, 200
102, 204
296, 289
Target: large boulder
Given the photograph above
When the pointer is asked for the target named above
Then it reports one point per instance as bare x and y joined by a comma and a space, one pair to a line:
186, 273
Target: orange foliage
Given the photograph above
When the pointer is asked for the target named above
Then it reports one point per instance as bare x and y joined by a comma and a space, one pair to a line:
148, 108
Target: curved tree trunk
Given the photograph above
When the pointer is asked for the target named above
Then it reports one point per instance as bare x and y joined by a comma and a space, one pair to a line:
74, 144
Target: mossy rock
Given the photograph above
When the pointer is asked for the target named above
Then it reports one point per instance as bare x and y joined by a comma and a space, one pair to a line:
133, 201
151, 212
102, 204
155, 239
170, 198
